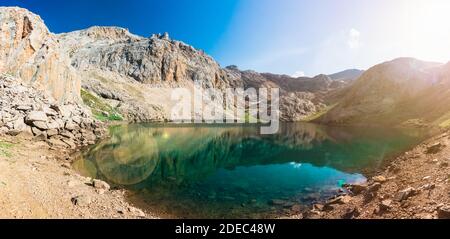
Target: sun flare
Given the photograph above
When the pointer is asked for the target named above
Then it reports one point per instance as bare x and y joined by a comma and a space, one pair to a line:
426, 30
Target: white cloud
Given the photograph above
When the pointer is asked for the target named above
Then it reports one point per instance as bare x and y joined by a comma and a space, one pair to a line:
298, 74
354, 39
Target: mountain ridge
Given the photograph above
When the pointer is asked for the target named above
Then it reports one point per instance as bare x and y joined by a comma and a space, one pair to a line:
133, 75
393, 93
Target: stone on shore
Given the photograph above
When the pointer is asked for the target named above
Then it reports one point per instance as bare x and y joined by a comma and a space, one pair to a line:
36, 116
405, 194
81, 200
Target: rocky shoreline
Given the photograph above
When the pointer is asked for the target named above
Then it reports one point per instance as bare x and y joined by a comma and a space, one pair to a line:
38, 137
414, 185
25, 110
37, 181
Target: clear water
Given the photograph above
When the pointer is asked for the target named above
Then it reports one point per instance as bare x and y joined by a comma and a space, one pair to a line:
234, 172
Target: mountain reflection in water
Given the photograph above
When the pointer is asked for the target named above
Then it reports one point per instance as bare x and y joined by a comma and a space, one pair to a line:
221, 171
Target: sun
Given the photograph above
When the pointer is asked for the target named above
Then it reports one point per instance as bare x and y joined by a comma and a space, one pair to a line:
427, 28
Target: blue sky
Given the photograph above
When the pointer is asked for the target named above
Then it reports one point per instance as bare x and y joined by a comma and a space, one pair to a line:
292, 37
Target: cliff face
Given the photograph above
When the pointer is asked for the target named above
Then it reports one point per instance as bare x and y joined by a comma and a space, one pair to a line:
155, 60
29, 51
124, 69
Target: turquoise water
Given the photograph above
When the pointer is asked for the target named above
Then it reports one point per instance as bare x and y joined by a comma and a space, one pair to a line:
234, 172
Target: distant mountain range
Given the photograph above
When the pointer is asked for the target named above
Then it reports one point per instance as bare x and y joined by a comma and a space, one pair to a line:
403, 91
347, 75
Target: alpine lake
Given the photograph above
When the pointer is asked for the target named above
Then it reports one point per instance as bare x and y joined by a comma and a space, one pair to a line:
223, 171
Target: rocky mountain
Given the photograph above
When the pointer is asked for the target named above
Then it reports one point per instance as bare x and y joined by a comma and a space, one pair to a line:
124, 70
402, 91
39, 89
347, 75
301, 97
128, 76
29, 51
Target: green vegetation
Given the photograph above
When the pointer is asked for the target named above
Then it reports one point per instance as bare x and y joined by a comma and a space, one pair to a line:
100, 109
445, 124
5, 149
319, 114
443, 121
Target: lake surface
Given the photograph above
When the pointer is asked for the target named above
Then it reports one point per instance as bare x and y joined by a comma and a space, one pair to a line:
224, 171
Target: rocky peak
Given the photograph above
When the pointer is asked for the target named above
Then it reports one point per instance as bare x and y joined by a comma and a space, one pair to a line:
112, 33
30, 52
347, 75
103, 33
232, 68
322, 77
155, 60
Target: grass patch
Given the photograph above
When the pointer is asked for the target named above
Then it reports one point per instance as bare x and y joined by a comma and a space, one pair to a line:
100, 109
443, 121
5, 149
445, 124
319, 114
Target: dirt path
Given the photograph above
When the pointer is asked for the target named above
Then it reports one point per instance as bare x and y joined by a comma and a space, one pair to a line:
37, 182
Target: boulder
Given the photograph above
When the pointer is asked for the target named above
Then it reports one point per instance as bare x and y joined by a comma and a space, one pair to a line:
385, 205
50, 112
40, 125
36, 116
379, 179
444, 212
36, 131
136, 212
351, 213
53, 124
405, 194
41, 137
69, 143
357, 188
98, 184
52, 132
340, 200
435, 148
374, 187
81, 201
70, 126
13, 132
19, 124
67, 134
24, 107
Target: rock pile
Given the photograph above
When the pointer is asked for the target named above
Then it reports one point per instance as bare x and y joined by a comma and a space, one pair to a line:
26, 110
297, 106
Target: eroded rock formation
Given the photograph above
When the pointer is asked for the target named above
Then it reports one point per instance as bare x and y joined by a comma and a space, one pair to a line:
29, 51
